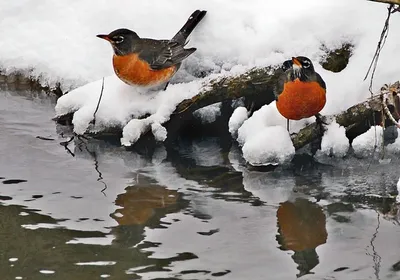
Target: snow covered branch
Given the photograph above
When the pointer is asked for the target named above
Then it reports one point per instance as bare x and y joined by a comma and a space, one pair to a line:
397, 2
360, 117
256, 86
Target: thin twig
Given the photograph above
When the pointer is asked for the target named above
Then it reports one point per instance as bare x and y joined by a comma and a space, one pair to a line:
383, 130
374, 63
390, 116
96, 168
381, 43
65, 143
44, 138
98, 103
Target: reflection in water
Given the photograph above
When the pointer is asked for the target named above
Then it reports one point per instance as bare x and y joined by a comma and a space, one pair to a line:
376, 258
139, 203
301, 228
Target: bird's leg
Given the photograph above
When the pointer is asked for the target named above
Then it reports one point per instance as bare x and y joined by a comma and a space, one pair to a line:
166, 85
287, 125
288, 128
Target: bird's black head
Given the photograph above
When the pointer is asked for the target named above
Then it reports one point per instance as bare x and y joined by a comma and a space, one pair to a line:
302, 62
121, 40
299, 67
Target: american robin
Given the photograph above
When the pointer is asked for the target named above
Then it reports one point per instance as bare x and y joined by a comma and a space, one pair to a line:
300, 92
148, 62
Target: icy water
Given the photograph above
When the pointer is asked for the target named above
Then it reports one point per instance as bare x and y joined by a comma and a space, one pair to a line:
196, 212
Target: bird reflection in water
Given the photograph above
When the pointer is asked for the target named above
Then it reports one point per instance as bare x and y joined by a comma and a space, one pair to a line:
140, 203
301, 228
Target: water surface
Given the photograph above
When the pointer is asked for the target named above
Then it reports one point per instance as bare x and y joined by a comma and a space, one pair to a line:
194, 212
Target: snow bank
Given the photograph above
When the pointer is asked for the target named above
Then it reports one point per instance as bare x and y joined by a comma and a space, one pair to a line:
55, 42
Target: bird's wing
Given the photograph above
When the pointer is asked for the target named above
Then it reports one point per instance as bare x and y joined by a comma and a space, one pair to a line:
285, 74
171, 54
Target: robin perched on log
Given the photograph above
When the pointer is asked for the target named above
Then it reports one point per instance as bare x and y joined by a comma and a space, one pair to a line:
149, 62
300, 92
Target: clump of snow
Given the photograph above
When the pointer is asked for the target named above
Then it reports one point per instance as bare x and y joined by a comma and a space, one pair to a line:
209, 113
272, 145
121, 105
159, 132
264, 137
133, 130
334, 142
237, 119
267, 115
365, 144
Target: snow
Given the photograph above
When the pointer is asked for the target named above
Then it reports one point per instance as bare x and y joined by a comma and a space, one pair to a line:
55, 42
271, 146
369, 142
237, 119
268, 115
121, 104
334, 142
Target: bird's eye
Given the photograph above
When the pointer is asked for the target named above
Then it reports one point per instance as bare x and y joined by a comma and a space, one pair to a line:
306, 64
118, 39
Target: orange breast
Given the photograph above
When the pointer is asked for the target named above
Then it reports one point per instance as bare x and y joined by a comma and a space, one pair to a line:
300, 100
133, 71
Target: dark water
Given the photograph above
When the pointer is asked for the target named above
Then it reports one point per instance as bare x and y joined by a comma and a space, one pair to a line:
192, 213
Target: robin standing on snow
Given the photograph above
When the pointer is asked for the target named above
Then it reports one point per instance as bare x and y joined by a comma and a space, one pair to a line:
301, 92
148, 62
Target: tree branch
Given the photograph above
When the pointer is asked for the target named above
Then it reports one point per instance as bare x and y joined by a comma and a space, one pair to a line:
358, 118
396, 2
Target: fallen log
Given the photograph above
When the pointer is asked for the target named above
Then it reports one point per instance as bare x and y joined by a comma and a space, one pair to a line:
257, 87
